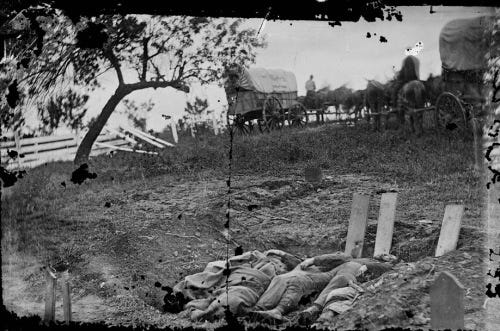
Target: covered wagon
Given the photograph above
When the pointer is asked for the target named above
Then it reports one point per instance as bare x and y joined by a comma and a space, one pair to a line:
464, 46
266, 97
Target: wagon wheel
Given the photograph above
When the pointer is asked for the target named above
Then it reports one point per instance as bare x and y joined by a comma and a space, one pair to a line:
449, 113
272, 115
297, 115
241, 127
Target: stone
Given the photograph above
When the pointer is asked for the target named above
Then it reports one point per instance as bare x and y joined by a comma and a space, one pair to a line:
425, 221
450, 229
357, 225
313, 174
426, 266
385, 225
420, 319
447, 302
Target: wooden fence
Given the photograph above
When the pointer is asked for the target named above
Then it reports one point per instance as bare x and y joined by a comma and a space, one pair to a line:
40, 150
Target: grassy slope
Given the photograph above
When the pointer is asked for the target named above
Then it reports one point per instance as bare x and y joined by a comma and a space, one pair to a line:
42, 221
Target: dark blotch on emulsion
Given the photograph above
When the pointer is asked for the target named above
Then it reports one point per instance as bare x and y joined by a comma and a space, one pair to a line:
238, 251
81, 174
92, 37
12, 95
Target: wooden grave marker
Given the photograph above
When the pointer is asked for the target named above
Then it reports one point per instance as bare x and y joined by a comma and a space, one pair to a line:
385, 225
50, 296
450, 229
66, 297
357, 225
447, 302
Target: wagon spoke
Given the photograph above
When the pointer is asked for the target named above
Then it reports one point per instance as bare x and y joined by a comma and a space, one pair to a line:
272, 114
297, 115
450, 113
240, 127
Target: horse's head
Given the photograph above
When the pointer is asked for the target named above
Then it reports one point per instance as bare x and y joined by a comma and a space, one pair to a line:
434, 86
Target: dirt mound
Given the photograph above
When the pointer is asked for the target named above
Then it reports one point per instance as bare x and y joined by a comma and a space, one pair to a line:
401, 298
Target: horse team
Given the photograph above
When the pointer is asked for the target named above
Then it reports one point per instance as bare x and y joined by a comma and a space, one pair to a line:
404, 92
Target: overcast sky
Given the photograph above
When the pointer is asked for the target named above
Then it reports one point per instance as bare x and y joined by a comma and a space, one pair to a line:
334, 55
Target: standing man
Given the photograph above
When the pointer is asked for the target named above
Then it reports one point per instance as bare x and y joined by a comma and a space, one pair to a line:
310, 86
310, 101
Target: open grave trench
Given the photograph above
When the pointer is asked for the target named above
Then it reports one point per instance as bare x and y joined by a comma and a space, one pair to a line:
311, 219
154, 236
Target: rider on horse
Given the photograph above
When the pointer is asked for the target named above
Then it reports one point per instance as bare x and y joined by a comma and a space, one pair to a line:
410, 70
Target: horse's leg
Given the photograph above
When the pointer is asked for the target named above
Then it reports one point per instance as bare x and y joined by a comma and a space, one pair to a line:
412, 122
386, 118
368, 111
420, 119
401, 119
378, 116
415, 121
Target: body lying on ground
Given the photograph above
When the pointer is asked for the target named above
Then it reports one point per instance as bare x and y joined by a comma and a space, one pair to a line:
326, 274
249, 276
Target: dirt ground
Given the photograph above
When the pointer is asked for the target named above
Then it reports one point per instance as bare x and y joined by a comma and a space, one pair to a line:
123, 237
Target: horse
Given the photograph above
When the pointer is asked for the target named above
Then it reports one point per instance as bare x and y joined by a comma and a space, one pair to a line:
354, 100
410, 70
320, 98
412, 95
376, 99
338, 96
434, 86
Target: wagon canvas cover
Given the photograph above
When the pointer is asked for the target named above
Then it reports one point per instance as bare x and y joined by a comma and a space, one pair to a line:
268, 80
464, 43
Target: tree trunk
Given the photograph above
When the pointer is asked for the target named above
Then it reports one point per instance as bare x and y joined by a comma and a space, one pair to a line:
83, 152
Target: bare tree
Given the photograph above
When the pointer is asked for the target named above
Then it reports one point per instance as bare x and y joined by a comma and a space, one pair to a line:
162, 51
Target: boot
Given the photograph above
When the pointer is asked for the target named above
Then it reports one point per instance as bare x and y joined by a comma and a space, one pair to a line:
308, 315
197, 315
326, 317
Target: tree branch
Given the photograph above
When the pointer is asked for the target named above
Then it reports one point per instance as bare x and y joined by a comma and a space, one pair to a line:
159, 76
181, 69
108, 53
176, 84
103, 72
145, 58
161, 50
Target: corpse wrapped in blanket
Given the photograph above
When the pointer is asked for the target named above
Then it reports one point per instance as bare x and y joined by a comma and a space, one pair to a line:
270, 284
249, 276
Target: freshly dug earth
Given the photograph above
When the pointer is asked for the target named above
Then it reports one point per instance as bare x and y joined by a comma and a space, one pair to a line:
165, 230
401, 298
124, 238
